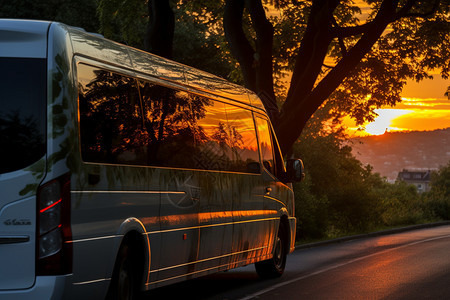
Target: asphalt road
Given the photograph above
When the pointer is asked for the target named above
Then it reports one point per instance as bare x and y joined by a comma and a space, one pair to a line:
408, 265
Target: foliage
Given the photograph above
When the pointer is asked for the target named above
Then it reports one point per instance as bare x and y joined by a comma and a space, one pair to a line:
123, 21
311, 211
401, 205
438, 199
198, 39
81, 13
340, 196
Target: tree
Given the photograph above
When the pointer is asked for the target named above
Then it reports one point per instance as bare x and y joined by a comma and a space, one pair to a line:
79, 13
370, 59
439, 195
370, 64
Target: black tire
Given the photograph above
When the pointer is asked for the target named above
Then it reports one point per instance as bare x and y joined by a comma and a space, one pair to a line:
124, 282
274, 267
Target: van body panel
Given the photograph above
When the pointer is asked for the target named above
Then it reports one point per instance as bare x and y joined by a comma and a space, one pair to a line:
156, 66
17, 243
97, 47
212, 84
45, 287
255, 101
99, 210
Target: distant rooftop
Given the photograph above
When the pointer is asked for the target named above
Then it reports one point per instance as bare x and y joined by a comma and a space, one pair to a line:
421, 179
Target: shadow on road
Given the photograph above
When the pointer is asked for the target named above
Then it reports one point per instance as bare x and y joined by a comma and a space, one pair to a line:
207, 287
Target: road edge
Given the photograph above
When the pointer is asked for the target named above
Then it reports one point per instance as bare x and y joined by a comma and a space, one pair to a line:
371, 234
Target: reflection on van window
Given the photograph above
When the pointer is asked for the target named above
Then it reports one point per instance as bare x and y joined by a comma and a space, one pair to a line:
243, 142
22, 112
211, 137
265, 144
175, 129
226, 139
169, 124
110, 117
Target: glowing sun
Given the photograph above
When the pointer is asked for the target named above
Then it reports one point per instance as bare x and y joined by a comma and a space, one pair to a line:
384, 121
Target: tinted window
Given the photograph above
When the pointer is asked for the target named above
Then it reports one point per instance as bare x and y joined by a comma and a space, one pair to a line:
169, 123
111, 127
265, 144
212, 150
175, 129
22, 112
225, 138
242, 139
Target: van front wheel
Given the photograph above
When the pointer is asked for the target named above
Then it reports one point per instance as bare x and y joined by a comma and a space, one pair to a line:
274, 267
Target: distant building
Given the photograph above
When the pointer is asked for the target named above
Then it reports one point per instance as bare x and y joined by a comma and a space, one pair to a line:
421, 179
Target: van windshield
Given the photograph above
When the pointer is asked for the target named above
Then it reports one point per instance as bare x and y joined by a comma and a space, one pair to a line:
22, 112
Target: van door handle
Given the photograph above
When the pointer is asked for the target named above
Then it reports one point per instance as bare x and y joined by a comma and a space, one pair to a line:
268, 190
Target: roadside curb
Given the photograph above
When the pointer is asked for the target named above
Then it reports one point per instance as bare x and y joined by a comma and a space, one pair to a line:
371, 234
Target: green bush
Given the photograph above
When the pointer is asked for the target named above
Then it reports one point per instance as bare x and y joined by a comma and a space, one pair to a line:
437, 201
311, 212
401, 205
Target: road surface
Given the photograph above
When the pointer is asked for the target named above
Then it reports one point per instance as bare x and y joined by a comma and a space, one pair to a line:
408, 265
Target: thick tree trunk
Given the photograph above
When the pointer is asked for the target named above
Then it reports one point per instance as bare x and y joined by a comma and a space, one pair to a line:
159, 37
256, 64
301, 103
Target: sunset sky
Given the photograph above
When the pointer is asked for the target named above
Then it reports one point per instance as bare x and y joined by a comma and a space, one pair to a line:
424, 107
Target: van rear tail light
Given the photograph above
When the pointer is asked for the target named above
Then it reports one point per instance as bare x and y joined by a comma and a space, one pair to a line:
54, 247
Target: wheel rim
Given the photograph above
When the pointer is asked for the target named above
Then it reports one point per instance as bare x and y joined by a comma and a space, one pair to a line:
125, 281
278, 255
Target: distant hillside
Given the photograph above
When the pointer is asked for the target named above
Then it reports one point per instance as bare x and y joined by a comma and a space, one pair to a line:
390, 153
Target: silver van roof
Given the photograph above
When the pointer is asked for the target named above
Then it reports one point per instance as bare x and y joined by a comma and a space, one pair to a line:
23, 38
97, 47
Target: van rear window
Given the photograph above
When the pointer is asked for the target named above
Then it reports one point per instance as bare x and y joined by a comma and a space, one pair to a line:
22, 112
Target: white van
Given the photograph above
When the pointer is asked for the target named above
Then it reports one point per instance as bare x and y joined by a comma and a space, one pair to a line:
122, 171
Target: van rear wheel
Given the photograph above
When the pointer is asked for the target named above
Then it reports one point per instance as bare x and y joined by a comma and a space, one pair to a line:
274, 267
124, 281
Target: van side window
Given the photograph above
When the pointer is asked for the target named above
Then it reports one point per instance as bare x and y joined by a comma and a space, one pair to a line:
265, 144
172, 128
211, 135
111, 128
279, 161
242, 140
169, 124
225, 136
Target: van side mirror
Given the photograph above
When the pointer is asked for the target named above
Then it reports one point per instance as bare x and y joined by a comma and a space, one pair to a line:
295, 171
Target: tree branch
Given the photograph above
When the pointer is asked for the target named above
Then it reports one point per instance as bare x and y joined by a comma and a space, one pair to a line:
342, 32
312, 52
340, 39
405, 11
